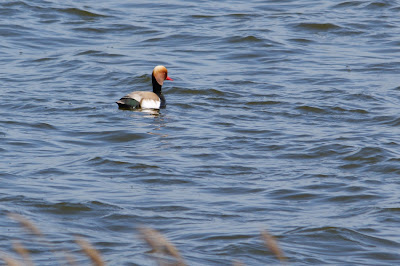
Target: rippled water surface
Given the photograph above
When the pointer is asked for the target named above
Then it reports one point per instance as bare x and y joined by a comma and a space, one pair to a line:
283, 115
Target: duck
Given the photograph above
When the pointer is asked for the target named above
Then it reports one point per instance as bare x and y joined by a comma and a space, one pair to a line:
147, 99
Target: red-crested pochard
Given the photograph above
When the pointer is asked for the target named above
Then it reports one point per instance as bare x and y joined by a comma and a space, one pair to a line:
147, 99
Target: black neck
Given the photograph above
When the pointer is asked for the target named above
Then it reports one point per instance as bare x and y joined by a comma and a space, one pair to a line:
156, 86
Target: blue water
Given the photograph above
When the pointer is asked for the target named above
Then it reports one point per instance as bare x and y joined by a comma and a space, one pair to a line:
283, 115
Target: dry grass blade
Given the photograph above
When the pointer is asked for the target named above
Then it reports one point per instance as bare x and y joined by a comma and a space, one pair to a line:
90, 251
160, 244
10, 261
272, 245
23, 252
25, 223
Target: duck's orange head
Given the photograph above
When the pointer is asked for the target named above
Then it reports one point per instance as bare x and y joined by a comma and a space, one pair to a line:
160, 73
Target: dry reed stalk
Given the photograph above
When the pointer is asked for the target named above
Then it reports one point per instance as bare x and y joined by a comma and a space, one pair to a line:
31, 227
237, 263
161, 245
10, 261
23, 252
273, 246
25, 223
90, 251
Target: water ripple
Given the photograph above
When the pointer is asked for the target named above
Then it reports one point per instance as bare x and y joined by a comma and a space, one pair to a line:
282, 115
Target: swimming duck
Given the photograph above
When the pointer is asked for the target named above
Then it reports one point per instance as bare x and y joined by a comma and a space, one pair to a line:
147, 99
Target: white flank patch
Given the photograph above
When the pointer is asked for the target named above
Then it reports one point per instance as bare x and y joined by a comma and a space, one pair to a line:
151, 104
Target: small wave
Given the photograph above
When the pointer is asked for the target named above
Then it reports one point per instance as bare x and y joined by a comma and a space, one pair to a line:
244, 39
203, 16
44, 59
311, 109
345, 110
39, 125
16, 31
292, 194
43, 126
21, 4
114, 136
93, 30
100, 161
143, 166
368, 154
354, 198
378, 5
80, 13
348, 4
343, 234
301, 40
328, 150
208, 92
243, 15
71, 208
98, 53
257, 103
318, 26
229, 236
388, 210
166, 181
393, 121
